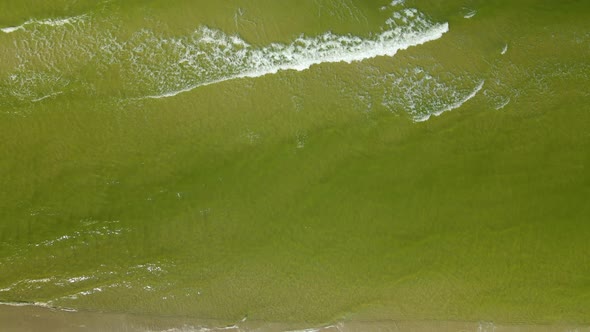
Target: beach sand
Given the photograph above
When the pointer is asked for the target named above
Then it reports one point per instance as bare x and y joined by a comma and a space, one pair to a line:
20, 318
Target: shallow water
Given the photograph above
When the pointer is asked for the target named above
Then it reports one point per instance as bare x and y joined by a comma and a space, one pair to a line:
307, 161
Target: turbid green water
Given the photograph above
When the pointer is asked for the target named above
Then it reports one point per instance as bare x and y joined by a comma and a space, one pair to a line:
297, 161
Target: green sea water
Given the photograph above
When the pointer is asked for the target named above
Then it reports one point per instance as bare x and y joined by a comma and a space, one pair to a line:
297, 161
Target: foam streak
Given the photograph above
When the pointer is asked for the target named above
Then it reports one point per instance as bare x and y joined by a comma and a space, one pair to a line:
50, 22
454, 105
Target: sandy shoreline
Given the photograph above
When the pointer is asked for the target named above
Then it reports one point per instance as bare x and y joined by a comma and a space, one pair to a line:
35, 318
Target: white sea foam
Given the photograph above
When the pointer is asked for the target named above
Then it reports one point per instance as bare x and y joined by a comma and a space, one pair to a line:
91, 291
318, 329
27, 284
504, 50
78, 279
155, 66
470, 14
47, 96
236, 327
95, 229
46, 305
503, 104
150, 267
229, 57
455, 105
486, 327
11, 29
27, 304
394, 3
202, 329
204, 57
49, 22
415, 91
36, 281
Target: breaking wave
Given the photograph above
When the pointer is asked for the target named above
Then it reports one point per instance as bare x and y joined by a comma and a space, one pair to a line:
52, 53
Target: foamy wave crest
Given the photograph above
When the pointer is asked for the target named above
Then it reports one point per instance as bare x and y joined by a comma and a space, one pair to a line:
211, 56
53, 54
50, 22
92, 228
27, 304
454, 105
423, 95
105, 278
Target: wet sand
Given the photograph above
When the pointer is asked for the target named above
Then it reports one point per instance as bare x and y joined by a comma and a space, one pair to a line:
34, 318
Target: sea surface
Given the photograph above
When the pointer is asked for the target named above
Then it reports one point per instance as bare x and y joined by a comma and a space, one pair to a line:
304, 162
